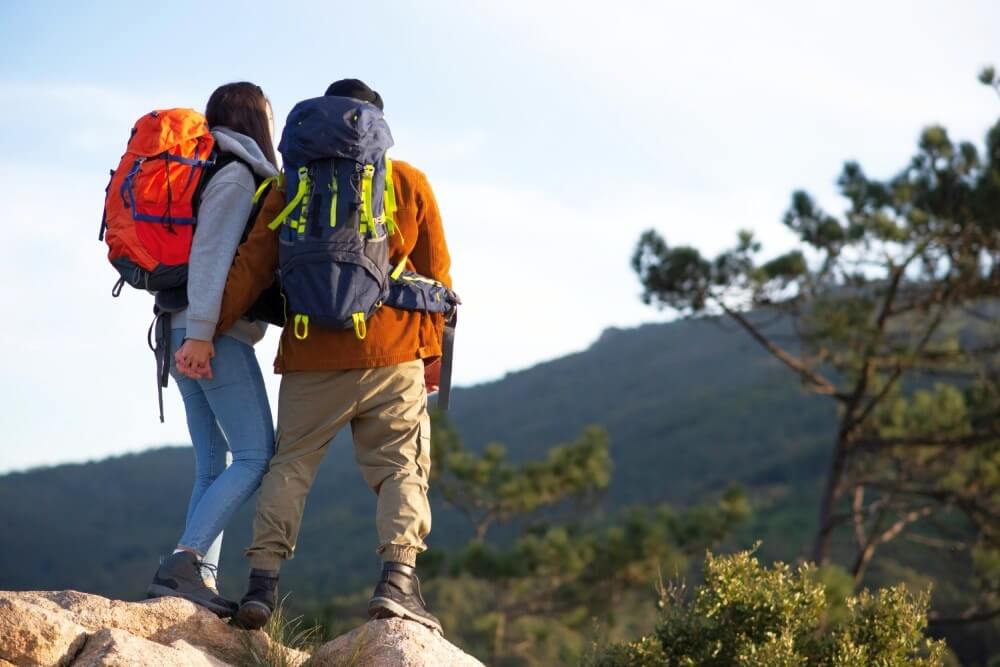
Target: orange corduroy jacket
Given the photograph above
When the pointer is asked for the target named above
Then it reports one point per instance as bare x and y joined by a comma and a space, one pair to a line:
394, 336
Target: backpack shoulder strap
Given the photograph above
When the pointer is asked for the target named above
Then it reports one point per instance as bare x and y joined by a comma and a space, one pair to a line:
217, 162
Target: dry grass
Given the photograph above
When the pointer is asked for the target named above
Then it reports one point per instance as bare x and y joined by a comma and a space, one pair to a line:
283, 633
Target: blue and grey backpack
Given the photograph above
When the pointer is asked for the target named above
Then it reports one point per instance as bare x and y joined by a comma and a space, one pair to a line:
333, 247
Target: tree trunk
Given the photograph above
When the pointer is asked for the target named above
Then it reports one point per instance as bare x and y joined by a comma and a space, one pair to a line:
831, 492
865, 555
498, 637
481, 526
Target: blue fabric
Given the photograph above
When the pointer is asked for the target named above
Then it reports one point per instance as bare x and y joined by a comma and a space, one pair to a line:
330, 287
334, 127
127, 186
412, 292
227, 413
332, 271
142, 217
194, 162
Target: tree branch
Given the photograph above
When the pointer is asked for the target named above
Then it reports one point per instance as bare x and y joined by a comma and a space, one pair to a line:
971, 440
969, 505
933, 543
857, 505
850, 418
817, 383
974, 615
907, 519
876, 538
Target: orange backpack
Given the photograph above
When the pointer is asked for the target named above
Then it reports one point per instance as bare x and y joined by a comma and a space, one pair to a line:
149, 207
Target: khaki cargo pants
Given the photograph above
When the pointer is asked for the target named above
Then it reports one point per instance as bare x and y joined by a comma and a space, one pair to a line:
387, 411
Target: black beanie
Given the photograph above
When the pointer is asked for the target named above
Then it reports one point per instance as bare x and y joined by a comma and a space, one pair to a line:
355, 88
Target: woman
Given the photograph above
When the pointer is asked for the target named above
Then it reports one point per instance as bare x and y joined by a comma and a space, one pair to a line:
223, 390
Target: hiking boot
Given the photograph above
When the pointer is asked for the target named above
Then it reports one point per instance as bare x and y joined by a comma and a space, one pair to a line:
258, 604
180, 576
398, 594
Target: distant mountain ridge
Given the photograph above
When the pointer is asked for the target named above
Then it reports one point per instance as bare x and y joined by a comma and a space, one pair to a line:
690, 406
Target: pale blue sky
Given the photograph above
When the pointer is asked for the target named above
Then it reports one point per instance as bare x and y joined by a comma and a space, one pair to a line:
553, 133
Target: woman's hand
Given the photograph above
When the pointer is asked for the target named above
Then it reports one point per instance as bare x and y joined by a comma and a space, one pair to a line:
194, 359
432, 374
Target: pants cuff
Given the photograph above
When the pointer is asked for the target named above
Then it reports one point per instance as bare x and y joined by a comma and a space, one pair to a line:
262, 561
399, 554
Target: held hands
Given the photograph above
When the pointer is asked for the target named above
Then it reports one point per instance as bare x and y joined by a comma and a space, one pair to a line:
194, 359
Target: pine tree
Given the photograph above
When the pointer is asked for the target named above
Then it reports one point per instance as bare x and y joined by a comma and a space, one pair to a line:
895, 319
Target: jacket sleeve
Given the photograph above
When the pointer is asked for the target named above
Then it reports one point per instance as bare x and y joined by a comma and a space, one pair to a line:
430, 253
253, 268
222, 216
430, 258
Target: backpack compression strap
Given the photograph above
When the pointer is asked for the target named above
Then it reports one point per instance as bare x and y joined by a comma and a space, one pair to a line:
263, 187
389, 204
158, 339
300, 194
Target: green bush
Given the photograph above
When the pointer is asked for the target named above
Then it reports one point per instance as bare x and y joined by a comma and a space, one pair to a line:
748, 615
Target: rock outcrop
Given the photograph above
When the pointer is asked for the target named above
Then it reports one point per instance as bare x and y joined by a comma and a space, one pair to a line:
391, 642
117, 648
71, 629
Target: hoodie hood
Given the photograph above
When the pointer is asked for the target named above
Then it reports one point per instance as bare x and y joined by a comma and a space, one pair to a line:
246, 149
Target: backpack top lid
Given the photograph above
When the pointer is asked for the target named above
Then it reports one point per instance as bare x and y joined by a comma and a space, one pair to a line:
165, 129
334, 127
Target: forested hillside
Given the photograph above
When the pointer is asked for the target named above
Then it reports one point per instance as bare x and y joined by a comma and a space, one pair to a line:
690, 407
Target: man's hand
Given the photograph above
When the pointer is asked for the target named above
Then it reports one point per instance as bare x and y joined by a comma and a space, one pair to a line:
194, 359
432, 374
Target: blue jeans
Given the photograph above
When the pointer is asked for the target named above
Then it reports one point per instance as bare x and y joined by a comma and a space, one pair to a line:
230, 412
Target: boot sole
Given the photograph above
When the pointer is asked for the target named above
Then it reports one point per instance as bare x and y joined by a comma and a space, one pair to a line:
158, 591
252, 616
384, 607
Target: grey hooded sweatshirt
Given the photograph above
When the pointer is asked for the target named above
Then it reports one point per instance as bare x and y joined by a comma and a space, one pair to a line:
223, 210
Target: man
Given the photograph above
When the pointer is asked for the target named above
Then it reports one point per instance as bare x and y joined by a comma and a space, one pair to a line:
331, 378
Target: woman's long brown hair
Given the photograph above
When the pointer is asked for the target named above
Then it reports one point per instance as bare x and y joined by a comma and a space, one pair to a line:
242, 106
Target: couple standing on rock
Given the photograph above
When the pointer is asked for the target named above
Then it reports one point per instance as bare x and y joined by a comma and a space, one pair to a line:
364, 297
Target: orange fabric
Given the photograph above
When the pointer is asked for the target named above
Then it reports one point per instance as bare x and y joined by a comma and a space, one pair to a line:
162, 189
166, 129
394, 336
